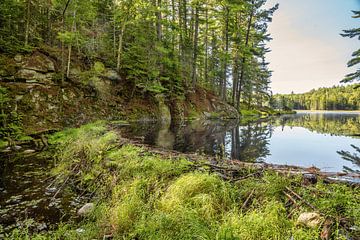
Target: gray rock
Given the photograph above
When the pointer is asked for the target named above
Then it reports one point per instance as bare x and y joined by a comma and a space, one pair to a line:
32, 76
28, 151
16, 147
207, 115
86, 209
74, 72
309, 219
80, 230
41, 227
65, 97
18, 58
309, 178
112, 75
18, 97
40, 63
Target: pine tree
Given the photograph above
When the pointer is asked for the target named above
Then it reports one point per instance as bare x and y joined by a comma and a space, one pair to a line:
351, 33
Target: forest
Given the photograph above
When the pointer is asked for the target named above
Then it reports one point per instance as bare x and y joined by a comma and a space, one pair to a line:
334, 98
168, 47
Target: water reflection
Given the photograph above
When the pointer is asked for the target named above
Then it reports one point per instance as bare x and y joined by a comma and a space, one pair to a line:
250, 142
304, 139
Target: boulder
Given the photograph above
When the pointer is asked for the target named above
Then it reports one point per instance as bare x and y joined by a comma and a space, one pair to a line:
309, 219
86, 209
32, 76
111, 75
18, 58
207, 114
39, 63
309, 178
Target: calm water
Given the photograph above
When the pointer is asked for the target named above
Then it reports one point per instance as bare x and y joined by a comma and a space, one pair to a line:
306, 139
27, 195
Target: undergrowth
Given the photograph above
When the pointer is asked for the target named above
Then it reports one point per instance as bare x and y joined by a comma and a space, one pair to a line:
141, 195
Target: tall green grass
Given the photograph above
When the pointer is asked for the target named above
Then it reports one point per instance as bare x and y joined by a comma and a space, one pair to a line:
141, 195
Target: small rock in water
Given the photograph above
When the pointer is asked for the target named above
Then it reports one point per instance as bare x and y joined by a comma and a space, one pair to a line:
309, 219
86, 209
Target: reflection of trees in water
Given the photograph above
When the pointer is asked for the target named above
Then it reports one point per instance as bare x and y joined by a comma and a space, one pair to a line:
222, 139
354, 158
203, 137
337, 124
250, 142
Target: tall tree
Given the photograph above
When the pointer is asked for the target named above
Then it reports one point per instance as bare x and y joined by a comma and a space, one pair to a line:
351, 33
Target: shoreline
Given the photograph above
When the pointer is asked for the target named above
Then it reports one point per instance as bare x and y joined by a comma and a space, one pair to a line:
328, 111
138, 191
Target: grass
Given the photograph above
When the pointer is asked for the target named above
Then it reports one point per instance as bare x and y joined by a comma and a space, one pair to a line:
141, 195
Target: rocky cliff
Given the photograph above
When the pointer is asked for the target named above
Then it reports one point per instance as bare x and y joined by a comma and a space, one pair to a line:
45, 101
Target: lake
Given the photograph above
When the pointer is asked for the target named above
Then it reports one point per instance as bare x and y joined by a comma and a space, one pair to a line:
321, 139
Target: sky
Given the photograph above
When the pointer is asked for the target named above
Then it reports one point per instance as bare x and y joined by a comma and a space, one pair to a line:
307, 49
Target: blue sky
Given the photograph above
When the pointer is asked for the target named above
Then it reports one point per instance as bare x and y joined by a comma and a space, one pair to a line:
307, 49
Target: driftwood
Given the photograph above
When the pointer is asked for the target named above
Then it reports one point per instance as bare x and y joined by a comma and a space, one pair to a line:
224, 166
301, 199
247, 199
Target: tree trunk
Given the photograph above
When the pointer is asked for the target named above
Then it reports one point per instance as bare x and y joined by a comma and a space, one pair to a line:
49, 31
159, 20
68, 61
241, 80
206, 44
173, 20
122, 30
235, 75
114, 39
62, 43
226, 36
27, 27
70, 48
196, 33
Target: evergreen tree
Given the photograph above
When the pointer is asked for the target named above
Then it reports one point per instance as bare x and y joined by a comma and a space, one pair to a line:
351, 33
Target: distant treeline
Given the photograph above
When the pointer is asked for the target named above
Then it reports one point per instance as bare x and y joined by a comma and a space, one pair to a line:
334, 98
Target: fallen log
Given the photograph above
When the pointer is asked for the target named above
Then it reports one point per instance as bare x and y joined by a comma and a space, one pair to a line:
233, 165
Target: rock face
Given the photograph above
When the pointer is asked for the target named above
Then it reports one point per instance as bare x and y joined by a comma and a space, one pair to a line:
86, 209
39, 63
203, 104
36, 68
164, 110
309, 219
32, 76
32, 82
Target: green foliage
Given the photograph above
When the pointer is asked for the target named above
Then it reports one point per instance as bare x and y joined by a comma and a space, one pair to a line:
82, 148
268, 222
346, 126
249, 112
99, 67
158, 47
66, 37
334, 98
